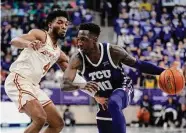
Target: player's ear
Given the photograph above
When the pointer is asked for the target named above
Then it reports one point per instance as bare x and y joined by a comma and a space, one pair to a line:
49, 25
95, 39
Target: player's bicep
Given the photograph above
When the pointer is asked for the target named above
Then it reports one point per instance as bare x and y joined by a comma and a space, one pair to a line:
128, 59
122, 55
28, 37
34, 34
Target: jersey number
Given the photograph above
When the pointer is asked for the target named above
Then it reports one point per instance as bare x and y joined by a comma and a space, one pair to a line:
46, 67
105, 85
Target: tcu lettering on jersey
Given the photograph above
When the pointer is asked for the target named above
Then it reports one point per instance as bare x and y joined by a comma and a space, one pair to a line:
100, 74
104, 74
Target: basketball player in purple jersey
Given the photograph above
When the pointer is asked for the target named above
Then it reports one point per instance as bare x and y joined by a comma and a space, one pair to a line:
102, 63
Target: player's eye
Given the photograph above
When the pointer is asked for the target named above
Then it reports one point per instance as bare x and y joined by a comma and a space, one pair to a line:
63, 22
67, 23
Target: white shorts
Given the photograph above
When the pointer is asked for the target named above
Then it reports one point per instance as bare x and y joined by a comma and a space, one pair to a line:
20, 90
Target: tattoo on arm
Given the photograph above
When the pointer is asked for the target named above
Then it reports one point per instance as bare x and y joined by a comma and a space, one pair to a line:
119, 55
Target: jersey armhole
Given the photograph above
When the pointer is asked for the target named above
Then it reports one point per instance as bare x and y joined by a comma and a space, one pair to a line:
109, 56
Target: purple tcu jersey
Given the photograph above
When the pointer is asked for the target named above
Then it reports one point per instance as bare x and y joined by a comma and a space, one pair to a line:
108, 76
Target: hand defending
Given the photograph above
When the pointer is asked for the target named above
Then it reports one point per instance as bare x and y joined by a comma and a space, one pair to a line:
36, 45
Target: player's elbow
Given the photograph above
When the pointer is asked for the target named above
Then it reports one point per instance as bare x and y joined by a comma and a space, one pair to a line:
13, 42
16, 42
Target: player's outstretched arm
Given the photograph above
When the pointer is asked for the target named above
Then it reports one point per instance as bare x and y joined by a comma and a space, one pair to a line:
70, 76
119, 55
70, 73
33, 39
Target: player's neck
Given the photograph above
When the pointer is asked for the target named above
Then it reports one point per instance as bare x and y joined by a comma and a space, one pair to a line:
53, 38
95, 54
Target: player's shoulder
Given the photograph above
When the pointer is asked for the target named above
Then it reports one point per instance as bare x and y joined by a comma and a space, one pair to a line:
117, 52
115, 48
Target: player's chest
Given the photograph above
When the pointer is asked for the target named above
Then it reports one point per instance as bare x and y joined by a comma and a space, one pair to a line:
49, 53
98, 74
101, 73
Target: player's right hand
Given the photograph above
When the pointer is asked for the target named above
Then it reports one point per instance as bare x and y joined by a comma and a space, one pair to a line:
91, 86
103, 101
35, 45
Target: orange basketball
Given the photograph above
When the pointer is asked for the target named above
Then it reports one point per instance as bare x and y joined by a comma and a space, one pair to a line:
171, 81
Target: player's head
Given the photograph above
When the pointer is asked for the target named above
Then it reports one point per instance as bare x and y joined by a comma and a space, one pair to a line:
88, 36
57, 22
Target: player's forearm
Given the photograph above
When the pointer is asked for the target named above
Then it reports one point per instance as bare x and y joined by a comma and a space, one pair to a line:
148, 68
67, 85
63, 65
20, 42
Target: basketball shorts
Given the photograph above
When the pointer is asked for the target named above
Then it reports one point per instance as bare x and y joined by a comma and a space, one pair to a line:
104, 126
129, 95
20, 90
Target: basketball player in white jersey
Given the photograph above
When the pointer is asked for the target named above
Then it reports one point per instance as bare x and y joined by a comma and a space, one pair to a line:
40, 52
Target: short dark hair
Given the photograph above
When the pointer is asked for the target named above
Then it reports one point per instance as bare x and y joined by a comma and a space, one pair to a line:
93, 28
56, 13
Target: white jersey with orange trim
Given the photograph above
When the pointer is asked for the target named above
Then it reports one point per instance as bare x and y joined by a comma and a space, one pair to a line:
33, 65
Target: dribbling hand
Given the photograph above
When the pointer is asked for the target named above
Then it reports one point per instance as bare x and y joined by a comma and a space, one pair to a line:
103, 101
91, 86
35, 45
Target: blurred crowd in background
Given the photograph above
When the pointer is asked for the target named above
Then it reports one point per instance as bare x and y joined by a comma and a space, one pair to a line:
153, 33
147, 30
18, 17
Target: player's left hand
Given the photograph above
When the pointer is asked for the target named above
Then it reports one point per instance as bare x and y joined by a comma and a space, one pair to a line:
103, 101
36, 45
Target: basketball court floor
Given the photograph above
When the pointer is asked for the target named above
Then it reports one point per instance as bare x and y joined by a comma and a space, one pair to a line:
93, 129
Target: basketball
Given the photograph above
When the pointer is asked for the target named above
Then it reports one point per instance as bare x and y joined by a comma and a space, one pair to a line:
171, 81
